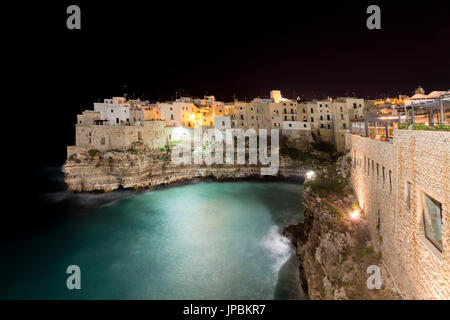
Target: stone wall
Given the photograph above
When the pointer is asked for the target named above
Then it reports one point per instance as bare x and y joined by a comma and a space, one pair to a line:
380, 175
104, 137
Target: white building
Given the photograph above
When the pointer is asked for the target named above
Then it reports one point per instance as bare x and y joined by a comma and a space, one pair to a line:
113, 110
222, 122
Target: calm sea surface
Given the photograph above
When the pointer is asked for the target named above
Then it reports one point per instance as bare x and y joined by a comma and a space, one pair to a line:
207, 240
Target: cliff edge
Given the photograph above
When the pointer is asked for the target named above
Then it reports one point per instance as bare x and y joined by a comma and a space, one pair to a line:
333, 245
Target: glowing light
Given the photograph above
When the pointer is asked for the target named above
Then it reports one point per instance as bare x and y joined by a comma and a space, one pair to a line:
192, 117
310, 175
355, 214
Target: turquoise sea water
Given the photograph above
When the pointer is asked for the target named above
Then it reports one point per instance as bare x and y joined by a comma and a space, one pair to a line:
200, 241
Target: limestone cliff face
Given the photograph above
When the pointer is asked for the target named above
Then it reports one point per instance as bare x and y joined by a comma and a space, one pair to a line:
335, 250
112, 170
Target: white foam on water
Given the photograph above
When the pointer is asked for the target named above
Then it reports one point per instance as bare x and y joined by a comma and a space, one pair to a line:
278, 246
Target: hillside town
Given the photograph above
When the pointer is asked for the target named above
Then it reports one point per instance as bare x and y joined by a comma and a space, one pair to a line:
394, 151
121, 124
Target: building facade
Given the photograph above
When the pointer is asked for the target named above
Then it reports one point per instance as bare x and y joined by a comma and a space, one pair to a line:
403, 188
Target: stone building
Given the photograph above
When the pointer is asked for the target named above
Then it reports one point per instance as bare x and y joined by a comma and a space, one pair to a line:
246, 115
403, 188
179, 114
94, 132
319, 114
344, 110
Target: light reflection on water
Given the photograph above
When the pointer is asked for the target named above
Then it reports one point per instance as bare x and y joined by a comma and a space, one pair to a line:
200, 241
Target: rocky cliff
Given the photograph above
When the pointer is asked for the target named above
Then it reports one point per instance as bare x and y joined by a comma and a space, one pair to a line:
104, 172
335, 249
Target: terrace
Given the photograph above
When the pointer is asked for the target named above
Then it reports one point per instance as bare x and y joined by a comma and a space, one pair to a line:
434, 115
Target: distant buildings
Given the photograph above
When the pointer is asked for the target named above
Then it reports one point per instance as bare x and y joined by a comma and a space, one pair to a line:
300, 122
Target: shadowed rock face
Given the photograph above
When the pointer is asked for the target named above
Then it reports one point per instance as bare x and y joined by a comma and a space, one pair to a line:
334, 250
114, 170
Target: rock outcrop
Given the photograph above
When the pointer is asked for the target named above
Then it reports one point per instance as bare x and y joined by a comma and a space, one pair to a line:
112, 170
334, 249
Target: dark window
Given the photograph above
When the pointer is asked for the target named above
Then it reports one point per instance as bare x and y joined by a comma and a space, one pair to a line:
432, 220
390, 180
408, 195
344, 126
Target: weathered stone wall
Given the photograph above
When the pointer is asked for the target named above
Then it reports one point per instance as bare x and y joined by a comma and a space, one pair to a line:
104, 138
299, 139
379, 177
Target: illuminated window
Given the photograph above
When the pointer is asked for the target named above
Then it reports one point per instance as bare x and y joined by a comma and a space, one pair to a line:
432, 220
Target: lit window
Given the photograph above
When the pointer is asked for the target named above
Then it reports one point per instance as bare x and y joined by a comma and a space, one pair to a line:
432, 220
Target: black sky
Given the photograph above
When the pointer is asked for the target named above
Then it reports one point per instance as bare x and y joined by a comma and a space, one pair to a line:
308, 49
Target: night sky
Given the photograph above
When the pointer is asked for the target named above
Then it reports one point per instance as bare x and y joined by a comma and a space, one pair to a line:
308, 49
